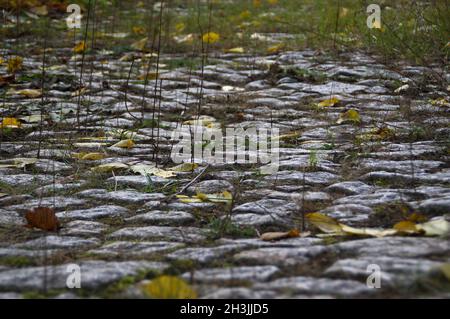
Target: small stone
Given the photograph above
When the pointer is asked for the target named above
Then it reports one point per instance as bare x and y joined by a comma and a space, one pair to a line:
233, 274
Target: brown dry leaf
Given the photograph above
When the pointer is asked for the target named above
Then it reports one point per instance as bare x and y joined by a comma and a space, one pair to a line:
6, 79
280, 235
43, 218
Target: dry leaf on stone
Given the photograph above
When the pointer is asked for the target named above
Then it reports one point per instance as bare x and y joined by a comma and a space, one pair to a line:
372, 232
111, 167
324, 223
436, 227
89, 156
351, 116
169, 287
80, 47
10, 122
407, 227
225, 197
29, 93
329, 102
140, 45
14, 64
43, 218
280, 235
211, 37
185, 167
124, 144
147, 170
17, 162
236, 50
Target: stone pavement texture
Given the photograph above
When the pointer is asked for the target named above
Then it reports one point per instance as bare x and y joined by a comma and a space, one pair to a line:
124, 228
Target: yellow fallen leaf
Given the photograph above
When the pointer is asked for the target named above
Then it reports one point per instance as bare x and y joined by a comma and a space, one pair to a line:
276, 48
203, 120
225, 197
441, 102
17, 162
437, 227
211, 37
185, 167
289, 136
80, 47
107, 168
80, 92
3, 195
324, 223
236, 50
146, 170
30, 93
372, 232
169, 287
138, 30
10, 122
14, 64
89, 156
124, 144
140, 45
329, 102
351, 116
180, 27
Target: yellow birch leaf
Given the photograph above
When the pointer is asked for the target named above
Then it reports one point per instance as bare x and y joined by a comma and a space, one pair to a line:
80, 47
324, 223
236, 50
140, 45
124, 144
169, 287
185, 167
329, 102
93, 157
276, 48
10, 122
14, 64
351, 116
211, 37
107, 168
